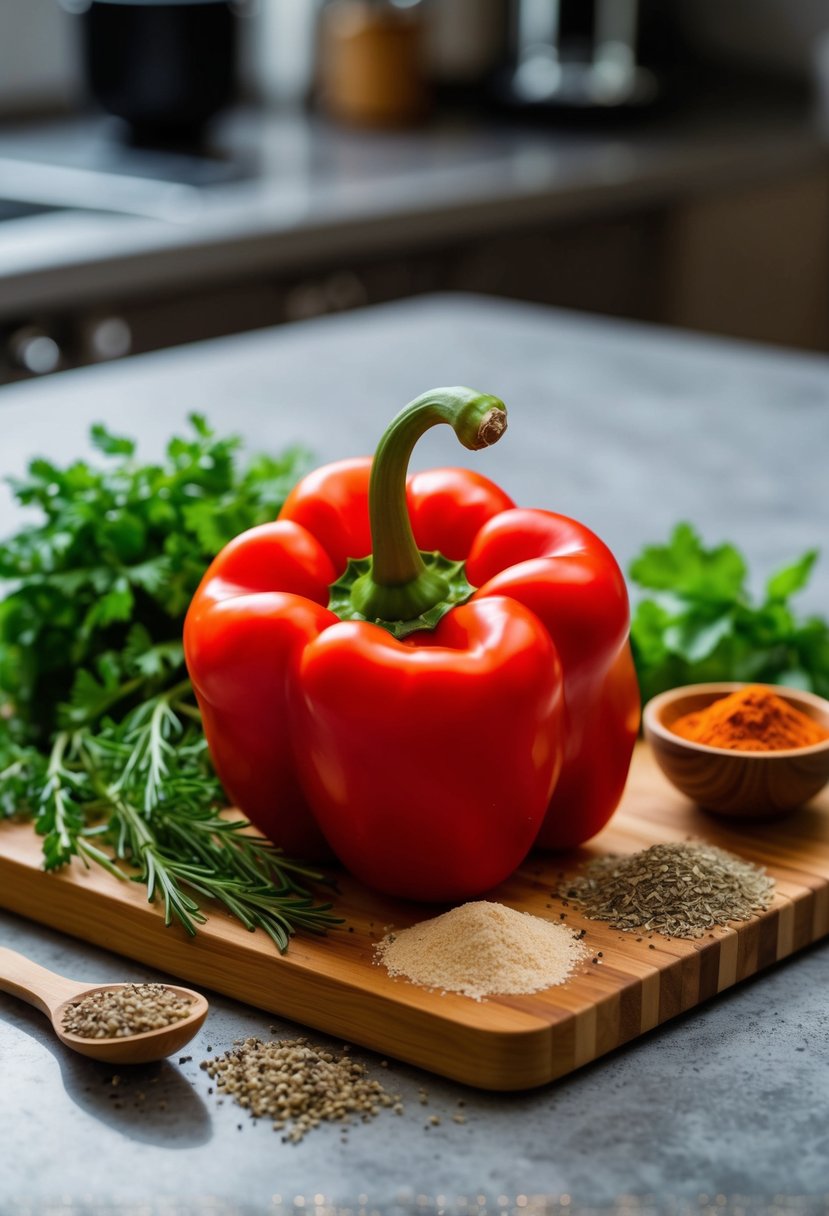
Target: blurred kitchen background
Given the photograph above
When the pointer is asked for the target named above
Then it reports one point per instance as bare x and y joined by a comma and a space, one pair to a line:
178, 170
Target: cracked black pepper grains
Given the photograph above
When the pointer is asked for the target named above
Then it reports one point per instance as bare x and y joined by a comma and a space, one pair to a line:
126, 1010
298, 1086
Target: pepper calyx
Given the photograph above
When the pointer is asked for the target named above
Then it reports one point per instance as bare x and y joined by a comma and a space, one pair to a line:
398, 584
439, 574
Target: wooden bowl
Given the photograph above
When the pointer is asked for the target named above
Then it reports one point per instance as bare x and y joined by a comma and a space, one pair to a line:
746, 785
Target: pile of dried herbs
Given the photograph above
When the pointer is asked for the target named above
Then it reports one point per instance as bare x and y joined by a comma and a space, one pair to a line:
676, 889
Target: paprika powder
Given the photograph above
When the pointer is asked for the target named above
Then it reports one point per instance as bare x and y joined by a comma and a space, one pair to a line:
752, 719
414, 673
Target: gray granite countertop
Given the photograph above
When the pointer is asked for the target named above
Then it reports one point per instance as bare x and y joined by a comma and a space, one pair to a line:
283, 189
629, 429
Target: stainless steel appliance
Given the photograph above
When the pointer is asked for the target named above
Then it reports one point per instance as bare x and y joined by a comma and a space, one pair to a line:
581, 54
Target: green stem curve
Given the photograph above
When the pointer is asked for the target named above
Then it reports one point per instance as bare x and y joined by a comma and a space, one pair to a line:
399, 586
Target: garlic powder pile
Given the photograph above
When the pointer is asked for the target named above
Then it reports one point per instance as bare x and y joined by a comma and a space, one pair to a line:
482, 949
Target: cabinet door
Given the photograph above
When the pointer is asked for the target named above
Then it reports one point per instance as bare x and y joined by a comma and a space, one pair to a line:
754, 262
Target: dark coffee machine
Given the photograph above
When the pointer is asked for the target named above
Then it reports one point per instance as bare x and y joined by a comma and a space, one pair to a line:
164, 66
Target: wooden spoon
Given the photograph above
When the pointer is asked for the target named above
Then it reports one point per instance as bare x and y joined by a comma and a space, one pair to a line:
51, 993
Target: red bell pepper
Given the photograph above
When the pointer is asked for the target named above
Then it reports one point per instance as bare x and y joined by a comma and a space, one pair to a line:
414, 673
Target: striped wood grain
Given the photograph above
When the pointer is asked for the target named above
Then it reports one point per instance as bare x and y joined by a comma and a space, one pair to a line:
504, 1043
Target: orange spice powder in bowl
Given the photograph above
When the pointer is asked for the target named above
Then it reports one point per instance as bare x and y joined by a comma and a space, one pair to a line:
745, 751
752, 719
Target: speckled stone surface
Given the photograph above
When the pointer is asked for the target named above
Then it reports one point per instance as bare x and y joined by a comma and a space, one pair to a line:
630, 429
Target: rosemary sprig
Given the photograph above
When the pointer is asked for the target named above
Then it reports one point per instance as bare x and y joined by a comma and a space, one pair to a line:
114, 770
156, 804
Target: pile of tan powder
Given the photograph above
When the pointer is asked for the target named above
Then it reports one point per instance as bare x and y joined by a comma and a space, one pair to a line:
482, 949
296, 1085
679, 890
126, 1010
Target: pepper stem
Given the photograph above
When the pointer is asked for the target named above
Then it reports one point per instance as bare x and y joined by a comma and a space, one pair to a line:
398, 585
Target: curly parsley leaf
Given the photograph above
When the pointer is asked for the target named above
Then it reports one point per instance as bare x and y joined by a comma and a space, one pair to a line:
118, 543
791, 578
685, 568
101, 743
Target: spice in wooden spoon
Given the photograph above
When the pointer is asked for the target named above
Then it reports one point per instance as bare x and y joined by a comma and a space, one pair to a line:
127, 1010
138, 1030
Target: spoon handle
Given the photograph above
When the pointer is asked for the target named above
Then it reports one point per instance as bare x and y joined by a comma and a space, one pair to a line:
19, 976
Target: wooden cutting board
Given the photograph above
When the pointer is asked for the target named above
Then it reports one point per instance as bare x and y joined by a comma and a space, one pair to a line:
503, 1043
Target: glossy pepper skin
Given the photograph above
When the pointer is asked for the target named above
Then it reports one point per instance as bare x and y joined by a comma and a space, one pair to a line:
428, 763
570, 581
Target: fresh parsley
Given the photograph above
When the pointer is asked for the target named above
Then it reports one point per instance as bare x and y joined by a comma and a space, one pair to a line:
699, 621
100, 737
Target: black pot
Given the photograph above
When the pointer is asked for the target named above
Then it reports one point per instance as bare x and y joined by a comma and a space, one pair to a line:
164, 66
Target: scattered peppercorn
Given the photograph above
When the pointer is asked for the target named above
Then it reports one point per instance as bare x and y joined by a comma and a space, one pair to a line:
296, 1085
